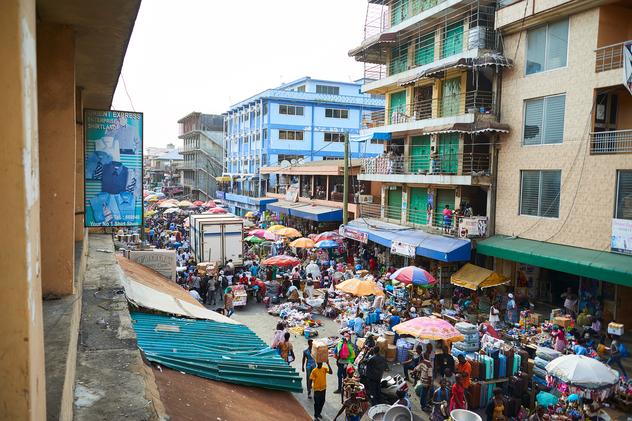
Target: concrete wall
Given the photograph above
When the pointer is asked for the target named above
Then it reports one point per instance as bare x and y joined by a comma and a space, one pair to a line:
614, 24
588, 181
57, 132
22, 395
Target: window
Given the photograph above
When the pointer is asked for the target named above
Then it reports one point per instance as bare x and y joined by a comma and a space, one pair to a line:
331, 158
336, 113
547, 47
424, 52
623, 208
290, 110
540, 193
544, 120
329, 90
452, 39
290, 135
300, 88
399, 59
334, 137
265, 134
265, 108
378, 142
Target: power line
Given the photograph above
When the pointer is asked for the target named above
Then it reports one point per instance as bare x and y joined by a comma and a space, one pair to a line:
127, 92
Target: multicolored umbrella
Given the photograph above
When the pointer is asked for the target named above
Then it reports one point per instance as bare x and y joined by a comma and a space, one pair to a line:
328, 235
359, 287
288, 232
275, 228
254, 239
582, 371
326, 244
429, 328
303, 243
281, 260
414, 275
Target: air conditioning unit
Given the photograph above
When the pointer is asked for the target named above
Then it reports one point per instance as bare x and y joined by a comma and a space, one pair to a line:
365, 198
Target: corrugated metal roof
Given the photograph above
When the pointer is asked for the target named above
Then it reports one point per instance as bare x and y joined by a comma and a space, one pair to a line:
213, 350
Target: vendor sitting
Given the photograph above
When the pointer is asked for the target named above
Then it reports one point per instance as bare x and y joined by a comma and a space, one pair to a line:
293, 295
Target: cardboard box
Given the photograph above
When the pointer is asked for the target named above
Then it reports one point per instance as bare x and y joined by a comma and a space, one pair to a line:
321, 352
615, 328
562, 321
556, 312
535, 319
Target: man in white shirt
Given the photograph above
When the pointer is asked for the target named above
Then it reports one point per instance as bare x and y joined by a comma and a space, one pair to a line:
313, 268
195, 295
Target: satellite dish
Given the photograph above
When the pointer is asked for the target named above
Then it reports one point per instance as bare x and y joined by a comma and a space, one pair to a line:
301, 161
294, 161
285, 163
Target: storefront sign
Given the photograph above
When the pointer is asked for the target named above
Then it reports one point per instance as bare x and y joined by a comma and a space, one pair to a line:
621, 240
113, 142
291, 194
162, 261
353, 234
403, 249
475, 226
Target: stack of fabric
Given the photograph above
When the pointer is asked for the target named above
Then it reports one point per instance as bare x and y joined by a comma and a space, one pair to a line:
472, 342
543, 356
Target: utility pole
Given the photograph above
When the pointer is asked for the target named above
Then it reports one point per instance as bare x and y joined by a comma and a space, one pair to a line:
345, 199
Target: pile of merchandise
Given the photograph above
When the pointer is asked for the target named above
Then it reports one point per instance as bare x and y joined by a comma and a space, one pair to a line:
543, 356
471, 343
298, 321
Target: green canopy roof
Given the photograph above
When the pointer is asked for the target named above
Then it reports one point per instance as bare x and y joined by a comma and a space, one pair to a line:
603, 265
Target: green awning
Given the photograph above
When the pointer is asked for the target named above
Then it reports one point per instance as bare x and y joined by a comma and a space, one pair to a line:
603, 265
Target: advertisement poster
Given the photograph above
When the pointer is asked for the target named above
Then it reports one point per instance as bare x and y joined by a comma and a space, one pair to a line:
162, 261
621, 240
403, 249
356, 235
113, 142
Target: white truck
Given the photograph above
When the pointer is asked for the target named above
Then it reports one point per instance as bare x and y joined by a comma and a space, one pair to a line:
217, 238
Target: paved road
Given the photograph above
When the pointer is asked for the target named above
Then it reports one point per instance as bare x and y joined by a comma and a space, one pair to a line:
256, 317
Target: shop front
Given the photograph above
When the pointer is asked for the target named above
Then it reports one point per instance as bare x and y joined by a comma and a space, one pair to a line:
240, 205
305, 217
544, 272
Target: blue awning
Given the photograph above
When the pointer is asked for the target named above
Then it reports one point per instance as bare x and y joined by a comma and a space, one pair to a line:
283, 207
438, 247
371, 136
317, 213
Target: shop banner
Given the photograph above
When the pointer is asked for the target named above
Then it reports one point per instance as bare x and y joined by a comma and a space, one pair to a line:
621, 240
356, 235
162, 261
291, 194
403, 249
475, 226
113, 151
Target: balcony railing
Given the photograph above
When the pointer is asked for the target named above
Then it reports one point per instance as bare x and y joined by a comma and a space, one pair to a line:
609, 57
439, 164
612, 142
449, 105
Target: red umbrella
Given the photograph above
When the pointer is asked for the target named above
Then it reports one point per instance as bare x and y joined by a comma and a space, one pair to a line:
217, 210
198, 203
281, 260
328, 235
209, 204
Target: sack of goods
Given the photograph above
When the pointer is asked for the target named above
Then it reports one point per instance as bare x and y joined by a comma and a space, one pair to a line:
547, 354
403, 348
322, 351
471, 343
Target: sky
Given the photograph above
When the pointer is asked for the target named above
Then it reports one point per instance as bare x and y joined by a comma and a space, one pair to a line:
204, 55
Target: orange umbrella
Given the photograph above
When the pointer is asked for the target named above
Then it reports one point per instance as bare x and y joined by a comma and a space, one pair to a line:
281, 260
275, 228
359, 287
303, 243
288, 232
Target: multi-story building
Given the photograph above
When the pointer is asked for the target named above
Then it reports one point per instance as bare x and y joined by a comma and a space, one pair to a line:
203, 151
305, 120
161, 167
438, 63
564, 193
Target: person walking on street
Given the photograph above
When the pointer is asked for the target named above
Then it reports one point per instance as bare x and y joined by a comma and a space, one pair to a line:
354, 406
375, 367
212, 287
615, 354
286, 350
345, 354
318, 376
425, 377
229, 307
413, 362
307, 365
457, 398
464, 368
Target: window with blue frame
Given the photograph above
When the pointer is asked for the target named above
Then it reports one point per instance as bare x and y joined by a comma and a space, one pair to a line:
291, 110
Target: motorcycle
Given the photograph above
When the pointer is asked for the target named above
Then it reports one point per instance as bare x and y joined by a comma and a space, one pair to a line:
389, 386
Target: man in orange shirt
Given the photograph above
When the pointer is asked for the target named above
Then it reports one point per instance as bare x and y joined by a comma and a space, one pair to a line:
465, 369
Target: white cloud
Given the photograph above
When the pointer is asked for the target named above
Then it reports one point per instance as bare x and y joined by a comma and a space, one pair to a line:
203, 55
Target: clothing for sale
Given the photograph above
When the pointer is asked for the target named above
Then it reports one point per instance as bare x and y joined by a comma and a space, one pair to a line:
104, 208
94, 164
110, 146
126, 205
127, 137
114, 178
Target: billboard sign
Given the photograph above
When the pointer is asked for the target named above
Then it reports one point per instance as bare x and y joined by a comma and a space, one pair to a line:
621, 240
113, 153
356, 235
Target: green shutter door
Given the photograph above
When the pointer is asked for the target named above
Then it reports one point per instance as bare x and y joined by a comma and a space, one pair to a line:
443, 197
424, 52
399, 12
420, 154
452, 40
398, 104
449, 153
417, 211
451, 97
394, 210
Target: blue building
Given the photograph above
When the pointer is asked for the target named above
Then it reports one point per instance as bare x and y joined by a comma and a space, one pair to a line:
305, 120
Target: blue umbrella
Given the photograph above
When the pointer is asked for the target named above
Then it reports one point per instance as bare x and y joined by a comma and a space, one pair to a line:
326, 244
546, 399
414, 275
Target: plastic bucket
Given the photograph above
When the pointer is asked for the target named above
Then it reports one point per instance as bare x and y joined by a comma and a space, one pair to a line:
464, 415
376, 413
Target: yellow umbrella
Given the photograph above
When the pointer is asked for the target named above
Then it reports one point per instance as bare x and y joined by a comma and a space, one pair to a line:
152, 198
303, 243
288, 232
185, 204
275, 228
150, 213
473, 277
359, 288
249, 214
